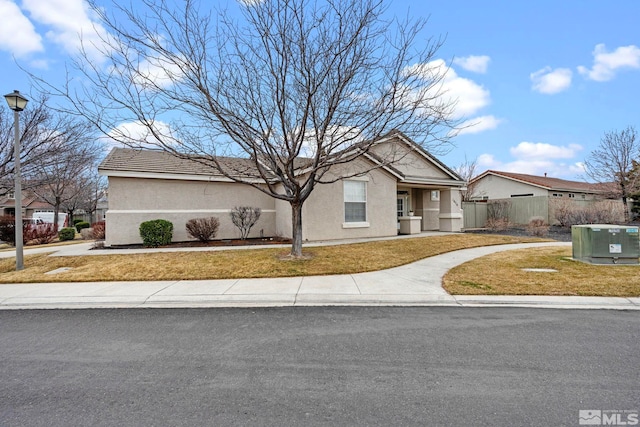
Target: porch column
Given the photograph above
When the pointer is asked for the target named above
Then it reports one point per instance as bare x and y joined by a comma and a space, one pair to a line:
450, 210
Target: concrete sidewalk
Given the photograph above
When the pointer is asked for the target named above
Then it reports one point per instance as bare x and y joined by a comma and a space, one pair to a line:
416, 284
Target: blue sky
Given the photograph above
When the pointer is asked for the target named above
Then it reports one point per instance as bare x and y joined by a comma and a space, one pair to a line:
542, 81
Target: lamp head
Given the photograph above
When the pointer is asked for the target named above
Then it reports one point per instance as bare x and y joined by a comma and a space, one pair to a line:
16, 101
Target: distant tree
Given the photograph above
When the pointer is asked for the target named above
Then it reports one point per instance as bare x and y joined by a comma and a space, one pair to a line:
88, 190
40, 128
467, 171
635, 204
95, 192
325, 80
612, 164
64, 177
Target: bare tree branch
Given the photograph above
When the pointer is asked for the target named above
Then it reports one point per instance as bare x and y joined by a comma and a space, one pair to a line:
467, 171
612, 164
324, 80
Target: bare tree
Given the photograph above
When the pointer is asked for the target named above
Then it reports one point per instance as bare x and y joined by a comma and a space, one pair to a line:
95, 191
467, 171
324, 80
63, 179
40, 127
612, 163
85, 193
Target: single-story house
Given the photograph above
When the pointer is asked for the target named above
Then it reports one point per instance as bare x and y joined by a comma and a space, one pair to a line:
30, 205
492, 185
416, 194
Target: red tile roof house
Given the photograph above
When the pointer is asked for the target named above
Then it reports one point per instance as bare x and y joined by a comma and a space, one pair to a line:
420, 193
520, 188
503, 185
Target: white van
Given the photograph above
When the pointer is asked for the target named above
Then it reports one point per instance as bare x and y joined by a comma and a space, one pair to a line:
48, 217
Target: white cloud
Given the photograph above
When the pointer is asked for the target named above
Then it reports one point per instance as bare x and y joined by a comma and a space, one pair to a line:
478, 124
157, 72
469, 97
18, 36
474, 63
540, 150
136, 134
551, 81
537, 159
70, 22
487, 161
606, 64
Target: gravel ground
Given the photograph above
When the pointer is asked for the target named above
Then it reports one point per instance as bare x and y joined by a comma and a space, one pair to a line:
556, 233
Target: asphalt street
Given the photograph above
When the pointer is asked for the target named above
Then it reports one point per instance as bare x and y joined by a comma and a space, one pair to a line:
295, 366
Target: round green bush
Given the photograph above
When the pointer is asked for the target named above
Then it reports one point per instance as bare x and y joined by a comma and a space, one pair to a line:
68, 233
81, 225
157, 232
76, 220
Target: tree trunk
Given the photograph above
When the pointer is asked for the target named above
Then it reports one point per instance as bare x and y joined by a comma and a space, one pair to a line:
626, 209
296, 227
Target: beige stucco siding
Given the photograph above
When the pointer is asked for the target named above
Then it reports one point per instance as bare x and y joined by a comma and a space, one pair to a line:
426, 208
410, 163
135, 200
571, 195
323, 214
501, 188
283, 219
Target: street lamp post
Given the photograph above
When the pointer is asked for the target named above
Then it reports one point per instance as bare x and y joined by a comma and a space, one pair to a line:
17, 103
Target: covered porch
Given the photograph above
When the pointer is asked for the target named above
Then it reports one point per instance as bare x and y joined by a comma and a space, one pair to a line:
424, 207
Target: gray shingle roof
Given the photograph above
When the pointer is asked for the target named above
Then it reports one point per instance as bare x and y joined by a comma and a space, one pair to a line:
152, 161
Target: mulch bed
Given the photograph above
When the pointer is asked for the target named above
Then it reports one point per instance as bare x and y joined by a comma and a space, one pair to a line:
213, 243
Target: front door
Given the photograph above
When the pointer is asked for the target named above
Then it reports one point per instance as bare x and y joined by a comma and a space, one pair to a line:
401, 207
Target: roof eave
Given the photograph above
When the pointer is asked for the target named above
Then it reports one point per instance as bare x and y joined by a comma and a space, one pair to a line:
172, 176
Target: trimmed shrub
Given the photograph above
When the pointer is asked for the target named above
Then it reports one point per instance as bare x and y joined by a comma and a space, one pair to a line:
81, 225
245, 217
537, 227
67, 233
203, 229
157, 232
99, 230
76, 221
40, 234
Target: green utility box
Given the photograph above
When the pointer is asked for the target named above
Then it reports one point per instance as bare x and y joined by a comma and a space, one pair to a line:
605, 244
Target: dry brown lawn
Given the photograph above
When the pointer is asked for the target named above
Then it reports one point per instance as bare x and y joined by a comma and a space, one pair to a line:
339, 259
502, 274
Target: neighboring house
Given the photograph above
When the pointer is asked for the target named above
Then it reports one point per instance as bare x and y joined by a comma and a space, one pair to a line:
101, 210
418, 193
30, 205
492, 185
530, 196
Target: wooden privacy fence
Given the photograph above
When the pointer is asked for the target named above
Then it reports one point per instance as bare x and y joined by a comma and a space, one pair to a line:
474, 214
522, 209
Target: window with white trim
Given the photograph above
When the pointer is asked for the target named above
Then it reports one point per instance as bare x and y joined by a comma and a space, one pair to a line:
355, 201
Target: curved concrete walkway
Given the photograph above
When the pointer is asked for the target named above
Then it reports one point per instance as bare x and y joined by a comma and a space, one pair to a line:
416, 284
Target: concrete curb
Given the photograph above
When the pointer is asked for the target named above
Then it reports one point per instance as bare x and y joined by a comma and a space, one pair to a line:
412, 285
